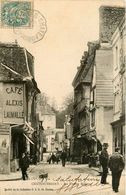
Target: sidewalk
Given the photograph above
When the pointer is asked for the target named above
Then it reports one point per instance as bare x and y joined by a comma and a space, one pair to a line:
14, 176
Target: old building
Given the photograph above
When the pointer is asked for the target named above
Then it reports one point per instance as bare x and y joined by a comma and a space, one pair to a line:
119, 82
112, 32
61, 142
18, 121
68, 127
99, 114
84, 137
103, 102
48, 119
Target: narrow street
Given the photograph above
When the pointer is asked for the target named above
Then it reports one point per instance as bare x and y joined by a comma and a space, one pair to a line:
72, 179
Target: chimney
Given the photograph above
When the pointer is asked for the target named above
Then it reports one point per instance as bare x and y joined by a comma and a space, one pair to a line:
110, 18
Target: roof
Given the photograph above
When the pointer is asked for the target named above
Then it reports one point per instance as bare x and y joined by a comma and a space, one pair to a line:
86, 63
15, 62
46, 110
110, 18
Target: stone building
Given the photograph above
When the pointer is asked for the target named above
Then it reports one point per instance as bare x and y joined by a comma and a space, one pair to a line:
48, 119
84, 137
61, 142
113, 33
101, 99
18, 121
68, 128
119, 83
99, 114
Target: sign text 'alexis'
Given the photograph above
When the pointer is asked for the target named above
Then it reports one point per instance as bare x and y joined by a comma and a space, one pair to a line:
13, 103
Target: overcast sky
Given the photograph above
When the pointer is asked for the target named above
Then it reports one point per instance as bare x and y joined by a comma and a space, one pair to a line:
70, 25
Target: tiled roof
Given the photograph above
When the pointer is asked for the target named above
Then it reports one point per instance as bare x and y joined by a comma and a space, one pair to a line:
15, 59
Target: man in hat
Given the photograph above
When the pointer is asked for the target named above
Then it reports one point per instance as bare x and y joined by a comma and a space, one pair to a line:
116, 164
103, 158
24, 164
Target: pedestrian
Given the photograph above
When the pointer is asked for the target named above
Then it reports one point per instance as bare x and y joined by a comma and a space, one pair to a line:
49, 158
53, 158
99, 164
104, 157
63, 157
24, 164
57, 157
116, 165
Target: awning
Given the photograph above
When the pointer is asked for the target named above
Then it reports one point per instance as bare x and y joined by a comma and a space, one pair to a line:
28, 139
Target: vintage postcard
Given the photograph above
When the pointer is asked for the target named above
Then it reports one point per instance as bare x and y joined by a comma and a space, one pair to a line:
62, 97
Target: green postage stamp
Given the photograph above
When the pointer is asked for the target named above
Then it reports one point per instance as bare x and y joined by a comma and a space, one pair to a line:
16, 14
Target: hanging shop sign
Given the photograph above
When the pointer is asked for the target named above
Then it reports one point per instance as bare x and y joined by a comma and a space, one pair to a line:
13, 103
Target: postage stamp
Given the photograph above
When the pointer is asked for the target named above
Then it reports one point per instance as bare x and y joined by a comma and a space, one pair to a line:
16, 14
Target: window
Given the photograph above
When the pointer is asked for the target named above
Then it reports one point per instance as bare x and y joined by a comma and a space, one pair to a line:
117, 102
92, 102
87, 92
116, 57
93, 118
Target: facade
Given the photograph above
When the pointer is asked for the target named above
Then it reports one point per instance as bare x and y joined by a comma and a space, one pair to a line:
113, 32
54, 140
84, 137
50, 142
48, 119
119, 82
47, 116
101, 99
99, 92
68, 127
60, 140
18, 121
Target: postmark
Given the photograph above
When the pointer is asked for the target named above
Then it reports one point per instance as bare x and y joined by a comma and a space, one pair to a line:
38, 30
16, 14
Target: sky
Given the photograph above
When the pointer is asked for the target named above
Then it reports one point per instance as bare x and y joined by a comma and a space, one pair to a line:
71, 24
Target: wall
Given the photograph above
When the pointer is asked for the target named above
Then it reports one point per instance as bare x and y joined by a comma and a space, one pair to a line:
4, 149
49, 121
49, 141
104, 88
1, 102
104, 116
119, 53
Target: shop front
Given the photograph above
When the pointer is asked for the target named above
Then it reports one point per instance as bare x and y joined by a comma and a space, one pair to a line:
15, 131
20, 142
119, 135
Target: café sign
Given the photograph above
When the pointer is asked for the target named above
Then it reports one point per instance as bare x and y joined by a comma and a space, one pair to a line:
13, 103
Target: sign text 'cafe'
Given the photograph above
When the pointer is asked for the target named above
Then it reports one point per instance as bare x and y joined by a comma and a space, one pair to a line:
13, 99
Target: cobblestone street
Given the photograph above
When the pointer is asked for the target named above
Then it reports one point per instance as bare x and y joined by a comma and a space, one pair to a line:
72, 179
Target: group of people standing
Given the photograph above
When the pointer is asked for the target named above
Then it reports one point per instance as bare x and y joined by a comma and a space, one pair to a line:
56, 158
53, 158
116, 165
